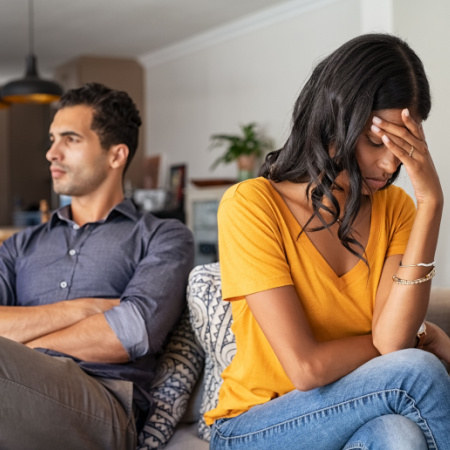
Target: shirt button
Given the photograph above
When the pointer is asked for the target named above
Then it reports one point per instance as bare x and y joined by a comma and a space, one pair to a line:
63, 284
76, 226
72, 252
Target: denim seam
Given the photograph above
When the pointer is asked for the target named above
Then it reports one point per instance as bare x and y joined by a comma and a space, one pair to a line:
356, 446
428, 436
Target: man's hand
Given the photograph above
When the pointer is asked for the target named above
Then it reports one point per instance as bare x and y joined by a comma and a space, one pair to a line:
25, 323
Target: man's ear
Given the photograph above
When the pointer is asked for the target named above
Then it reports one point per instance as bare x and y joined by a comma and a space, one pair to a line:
118, 155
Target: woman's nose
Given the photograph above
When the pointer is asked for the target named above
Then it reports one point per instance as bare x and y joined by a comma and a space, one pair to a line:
389, 162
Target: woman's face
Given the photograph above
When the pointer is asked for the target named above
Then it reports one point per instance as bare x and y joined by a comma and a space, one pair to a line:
376, 162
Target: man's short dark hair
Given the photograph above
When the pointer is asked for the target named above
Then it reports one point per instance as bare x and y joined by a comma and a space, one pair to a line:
116, 119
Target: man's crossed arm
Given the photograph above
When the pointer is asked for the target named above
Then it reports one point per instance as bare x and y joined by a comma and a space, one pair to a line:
75, 327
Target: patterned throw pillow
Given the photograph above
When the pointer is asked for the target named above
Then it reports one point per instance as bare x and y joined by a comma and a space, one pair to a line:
178, 369
211, 321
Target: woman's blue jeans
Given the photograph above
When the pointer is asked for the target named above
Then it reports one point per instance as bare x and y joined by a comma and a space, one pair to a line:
400, 401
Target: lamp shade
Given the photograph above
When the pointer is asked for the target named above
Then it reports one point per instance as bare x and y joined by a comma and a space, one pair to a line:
31, 88
4, 105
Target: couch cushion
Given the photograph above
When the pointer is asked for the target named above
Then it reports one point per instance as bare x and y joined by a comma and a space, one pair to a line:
178, 369
211, 320
192, 413
185, 438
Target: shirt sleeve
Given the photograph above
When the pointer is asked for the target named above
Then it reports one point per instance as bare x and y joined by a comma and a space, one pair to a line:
155, 296
251, 247
8, 257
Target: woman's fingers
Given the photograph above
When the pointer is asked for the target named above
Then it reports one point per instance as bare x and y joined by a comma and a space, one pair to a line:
405, 154
407, 143
411, 127
409, 137
400, 147
414, 127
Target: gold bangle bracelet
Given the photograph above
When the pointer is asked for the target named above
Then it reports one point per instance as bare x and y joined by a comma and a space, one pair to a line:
424, 279
431, 264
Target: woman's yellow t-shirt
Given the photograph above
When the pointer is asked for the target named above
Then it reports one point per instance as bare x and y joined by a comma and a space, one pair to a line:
260, 249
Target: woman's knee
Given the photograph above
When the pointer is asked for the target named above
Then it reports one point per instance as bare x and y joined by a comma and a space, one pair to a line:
415, 362
389, 432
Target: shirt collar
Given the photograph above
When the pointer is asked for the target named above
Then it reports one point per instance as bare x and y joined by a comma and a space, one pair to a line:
126, 208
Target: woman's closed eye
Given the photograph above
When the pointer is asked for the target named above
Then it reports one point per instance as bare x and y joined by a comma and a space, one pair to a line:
375, 142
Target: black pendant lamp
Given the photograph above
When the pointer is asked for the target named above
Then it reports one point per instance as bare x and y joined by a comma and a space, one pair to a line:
31, 88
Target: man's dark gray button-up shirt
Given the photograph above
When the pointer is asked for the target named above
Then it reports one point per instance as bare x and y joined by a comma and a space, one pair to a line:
143, 260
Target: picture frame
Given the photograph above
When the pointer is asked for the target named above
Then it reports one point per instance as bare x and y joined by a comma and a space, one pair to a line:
177, 183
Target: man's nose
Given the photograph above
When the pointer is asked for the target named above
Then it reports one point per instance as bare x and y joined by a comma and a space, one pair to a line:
53, 152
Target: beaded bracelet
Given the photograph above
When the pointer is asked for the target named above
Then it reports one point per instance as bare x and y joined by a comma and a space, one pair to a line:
424, 279
431, 264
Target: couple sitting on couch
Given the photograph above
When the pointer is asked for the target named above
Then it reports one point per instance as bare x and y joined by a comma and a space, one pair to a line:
323, 225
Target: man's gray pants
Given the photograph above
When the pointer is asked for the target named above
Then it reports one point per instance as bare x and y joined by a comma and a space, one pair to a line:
50, 403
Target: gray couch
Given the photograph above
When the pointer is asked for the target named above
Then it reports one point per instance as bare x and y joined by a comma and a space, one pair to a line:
205, 311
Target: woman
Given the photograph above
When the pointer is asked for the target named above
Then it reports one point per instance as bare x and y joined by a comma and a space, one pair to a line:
328, 266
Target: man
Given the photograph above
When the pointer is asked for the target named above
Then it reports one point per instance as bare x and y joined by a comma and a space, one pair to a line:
88, 298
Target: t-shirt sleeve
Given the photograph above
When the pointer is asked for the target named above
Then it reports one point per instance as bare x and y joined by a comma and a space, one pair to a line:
252, 256
401, 212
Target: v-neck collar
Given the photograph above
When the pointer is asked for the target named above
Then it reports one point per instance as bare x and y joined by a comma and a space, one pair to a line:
359, 269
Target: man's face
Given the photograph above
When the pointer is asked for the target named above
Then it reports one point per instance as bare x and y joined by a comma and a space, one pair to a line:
79, 164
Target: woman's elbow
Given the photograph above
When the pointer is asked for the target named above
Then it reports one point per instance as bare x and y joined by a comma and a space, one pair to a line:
308, 377
386, 345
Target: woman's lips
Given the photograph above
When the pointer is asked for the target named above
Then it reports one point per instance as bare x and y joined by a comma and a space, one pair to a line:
375, 183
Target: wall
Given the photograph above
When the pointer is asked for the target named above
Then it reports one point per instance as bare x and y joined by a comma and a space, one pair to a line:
425, 26
256, 76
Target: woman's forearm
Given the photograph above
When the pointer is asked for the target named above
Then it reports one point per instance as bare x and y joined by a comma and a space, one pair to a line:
401, 308
329, 361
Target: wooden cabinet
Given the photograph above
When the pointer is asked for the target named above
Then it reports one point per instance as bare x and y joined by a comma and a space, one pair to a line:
117, 73
24, 172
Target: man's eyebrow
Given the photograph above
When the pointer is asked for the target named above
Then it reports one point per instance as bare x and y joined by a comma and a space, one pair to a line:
66, 133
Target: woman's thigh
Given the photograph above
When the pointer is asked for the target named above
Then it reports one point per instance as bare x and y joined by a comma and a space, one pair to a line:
412, 383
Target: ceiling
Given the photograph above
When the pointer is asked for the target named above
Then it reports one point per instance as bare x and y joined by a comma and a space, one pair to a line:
64, 29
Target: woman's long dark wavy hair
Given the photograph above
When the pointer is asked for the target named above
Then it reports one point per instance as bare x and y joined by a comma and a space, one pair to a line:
368, 73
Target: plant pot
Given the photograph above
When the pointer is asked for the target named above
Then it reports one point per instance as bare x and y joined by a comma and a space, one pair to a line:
246, 167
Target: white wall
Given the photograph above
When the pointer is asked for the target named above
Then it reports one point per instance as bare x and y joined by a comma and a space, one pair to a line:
254, 76
254, 73
425, 26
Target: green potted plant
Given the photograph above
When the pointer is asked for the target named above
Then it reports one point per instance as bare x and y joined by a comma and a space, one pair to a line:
245, 149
